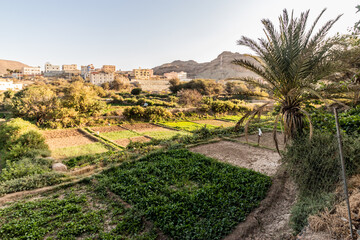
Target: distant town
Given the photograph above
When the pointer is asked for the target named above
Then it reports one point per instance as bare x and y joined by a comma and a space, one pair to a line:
97, 76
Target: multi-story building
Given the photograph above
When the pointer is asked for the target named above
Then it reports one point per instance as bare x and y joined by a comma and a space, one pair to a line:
31, 70
179, 75
51, 68
9, 85
108, 68
86, 70
99, 78
143, 74
71, 67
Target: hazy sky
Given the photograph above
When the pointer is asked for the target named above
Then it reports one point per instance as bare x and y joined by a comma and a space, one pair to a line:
143, 33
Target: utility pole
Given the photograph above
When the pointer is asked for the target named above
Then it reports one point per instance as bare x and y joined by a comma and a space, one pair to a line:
343, 170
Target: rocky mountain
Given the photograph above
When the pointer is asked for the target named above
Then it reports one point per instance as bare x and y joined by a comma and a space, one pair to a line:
219, 68
8, 64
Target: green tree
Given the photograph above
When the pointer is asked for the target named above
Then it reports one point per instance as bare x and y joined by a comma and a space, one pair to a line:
291, 61
38, 102
82, 98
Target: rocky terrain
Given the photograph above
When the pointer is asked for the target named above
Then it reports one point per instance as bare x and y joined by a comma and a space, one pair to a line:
8, 64
219, 68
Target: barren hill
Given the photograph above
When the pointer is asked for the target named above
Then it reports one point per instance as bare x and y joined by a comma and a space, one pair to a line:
8, 64
219, 68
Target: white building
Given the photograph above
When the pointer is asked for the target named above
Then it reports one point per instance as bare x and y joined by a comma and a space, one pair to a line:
52, 68
99, 78
9, 85
31, 71
86, 70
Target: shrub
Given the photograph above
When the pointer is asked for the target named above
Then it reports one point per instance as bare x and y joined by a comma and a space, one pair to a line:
25, 167
189, 97
30, 144
157, 114
30, 182
136, 91
314, 164
12, 130
135, 112
222, 106
315, 167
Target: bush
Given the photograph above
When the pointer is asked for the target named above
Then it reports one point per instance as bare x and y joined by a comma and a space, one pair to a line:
25, 167
157, 114
314, 164
309, 205
189, 97
135, 112
222, 106
315, 167
136, 91
30, 182
12, 130
30, 144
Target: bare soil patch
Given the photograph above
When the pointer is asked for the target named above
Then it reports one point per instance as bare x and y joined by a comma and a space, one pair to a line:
271, 219
55, 143
125, 141
107, 129
242, 155
62, 133
266, 140
217, 123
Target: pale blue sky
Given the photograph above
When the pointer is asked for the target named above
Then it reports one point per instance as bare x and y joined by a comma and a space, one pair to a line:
143, 33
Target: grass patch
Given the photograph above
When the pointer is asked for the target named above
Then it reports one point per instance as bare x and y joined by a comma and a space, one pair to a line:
73, 213
187, 126
75, 151
188, 195
164, 134
120, 135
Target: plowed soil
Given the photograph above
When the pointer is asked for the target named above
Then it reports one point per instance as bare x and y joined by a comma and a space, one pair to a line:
242, 155
61, 133
217, 123
107, 129
55, 143
125, 141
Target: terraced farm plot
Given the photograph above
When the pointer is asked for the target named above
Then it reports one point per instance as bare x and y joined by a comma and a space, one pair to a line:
79, 212
153, 131
216, 123
119, 134
125, 141
186, 126
164, 134
65, 138
71, 143
79, 150
141, 127
188, 195
106, 129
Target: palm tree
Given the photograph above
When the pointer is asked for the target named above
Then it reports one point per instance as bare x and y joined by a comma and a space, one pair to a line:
290, 62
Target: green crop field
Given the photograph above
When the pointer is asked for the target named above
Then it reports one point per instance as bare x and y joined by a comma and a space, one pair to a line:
119, 135
186, 126
188, 195
79, 212
75, 151
164, 134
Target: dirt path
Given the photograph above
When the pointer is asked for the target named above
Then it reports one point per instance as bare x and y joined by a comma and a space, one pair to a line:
270, 220
242, 155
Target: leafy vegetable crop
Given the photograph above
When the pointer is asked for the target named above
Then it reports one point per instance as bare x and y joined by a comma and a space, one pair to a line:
188, 195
